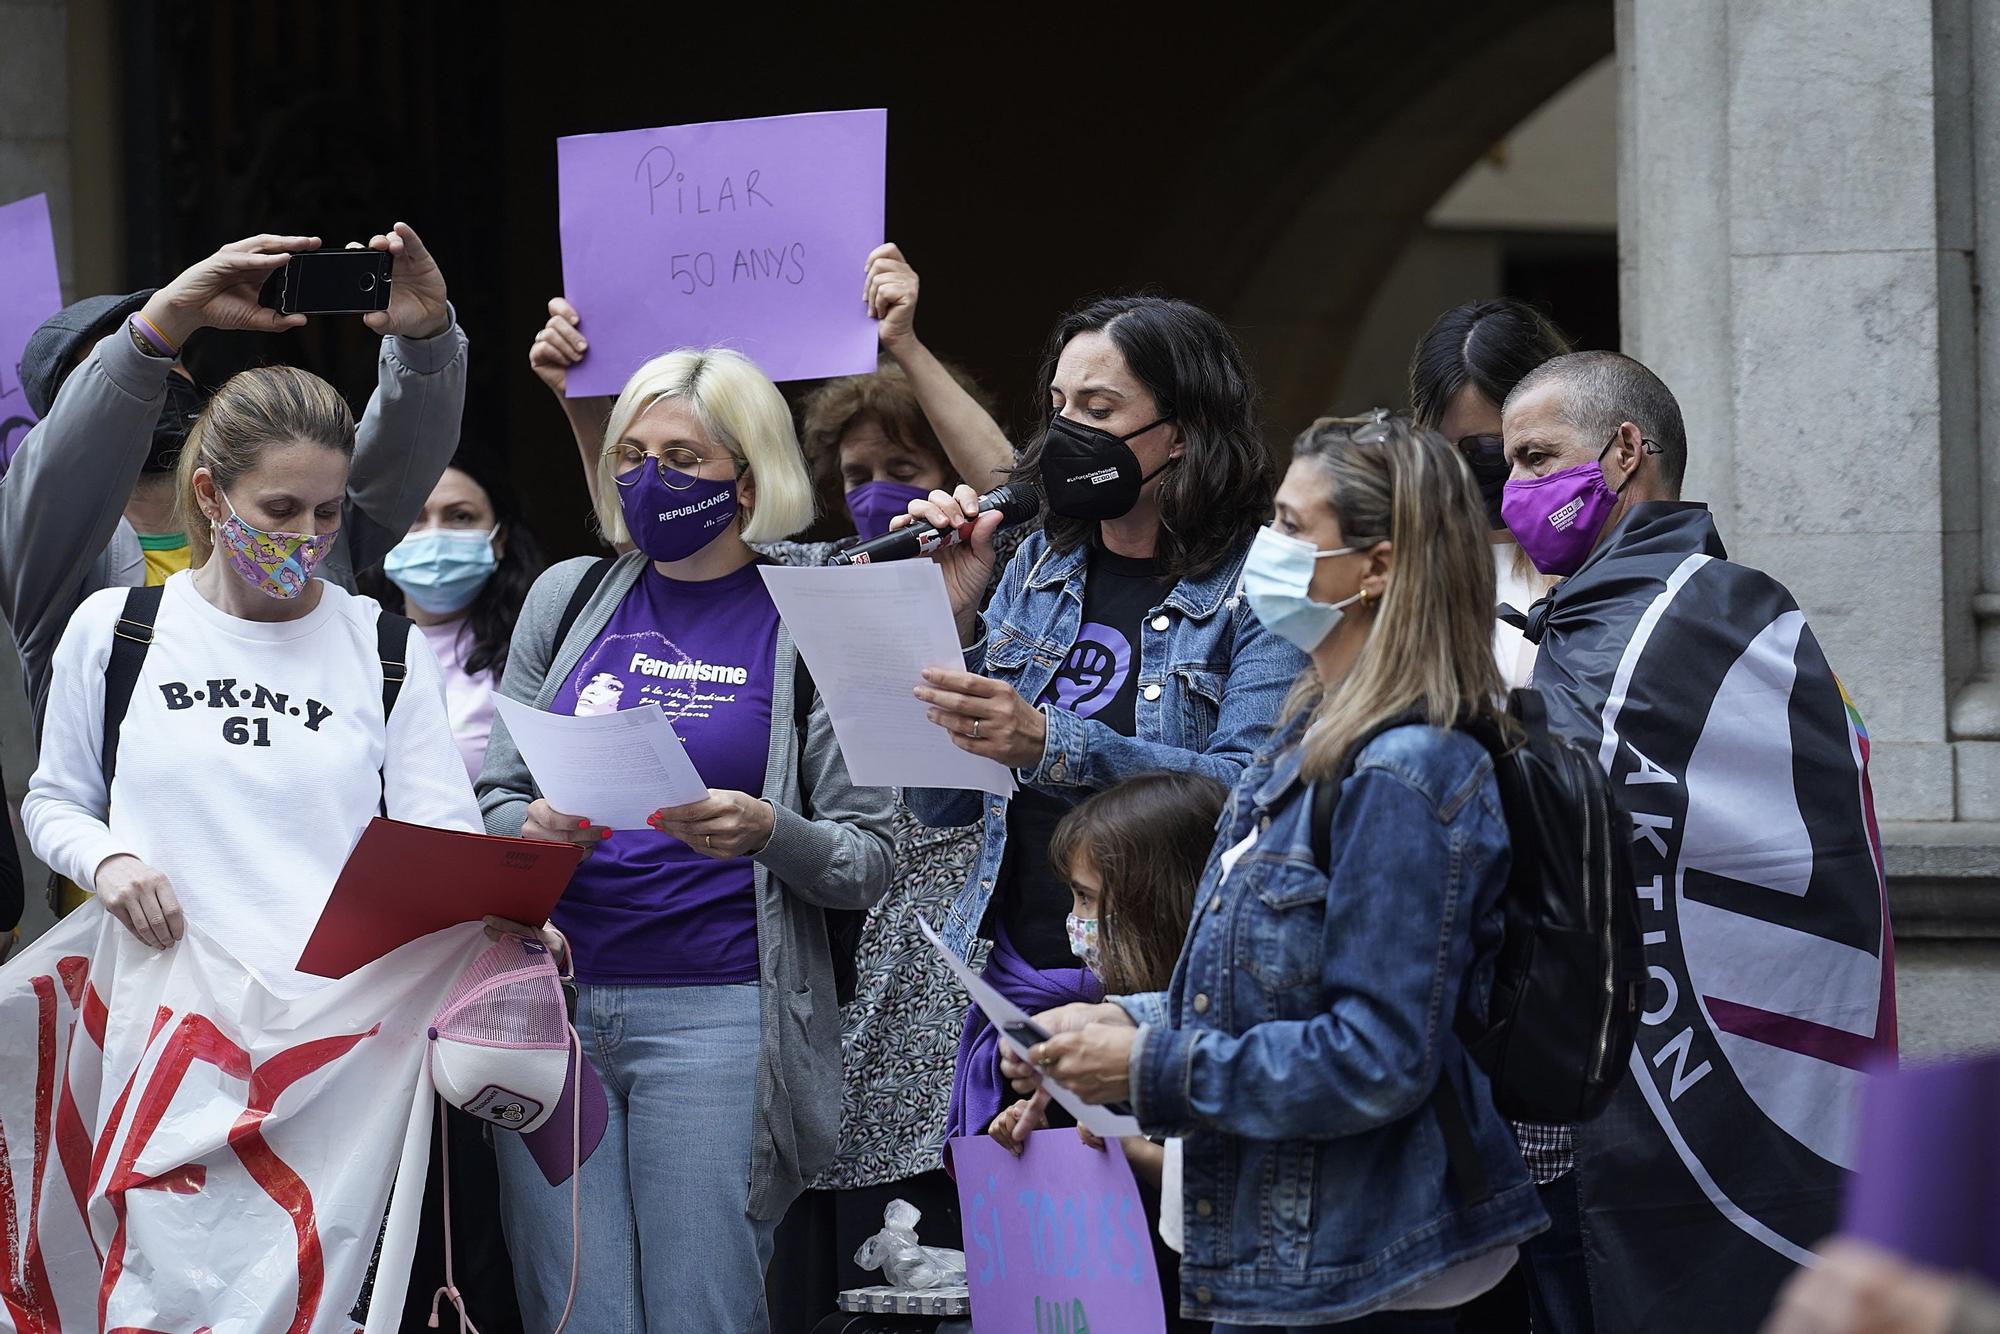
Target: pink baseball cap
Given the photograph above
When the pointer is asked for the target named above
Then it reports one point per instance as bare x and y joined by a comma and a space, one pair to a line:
503, 1050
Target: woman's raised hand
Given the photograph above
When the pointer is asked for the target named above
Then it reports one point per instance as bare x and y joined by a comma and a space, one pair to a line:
891, 293
558, 345
221, 292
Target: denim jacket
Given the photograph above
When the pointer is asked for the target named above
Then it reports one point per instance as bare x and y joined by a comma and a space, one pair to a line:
1211, 682
1308, 1020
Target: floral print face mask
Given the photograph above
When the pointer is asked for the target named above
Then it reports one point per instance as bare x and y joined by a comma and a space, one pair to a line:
278, 565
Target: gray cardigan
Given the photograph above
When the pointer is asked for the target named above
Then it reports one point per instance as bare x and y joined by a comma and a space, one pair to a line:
839, 856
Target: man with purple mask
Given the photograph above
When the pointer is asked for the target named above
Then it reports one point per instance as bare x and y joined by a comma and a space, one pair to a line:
1744, 768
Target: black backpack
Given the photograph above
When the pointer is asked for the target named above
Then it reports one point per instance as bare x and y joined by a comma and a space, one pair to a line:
843, 925
1570, 977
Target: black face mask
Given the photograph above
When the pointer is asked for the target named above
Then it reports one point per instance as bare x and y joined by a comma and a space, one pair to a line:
1092, 474
1487, 458
170, 432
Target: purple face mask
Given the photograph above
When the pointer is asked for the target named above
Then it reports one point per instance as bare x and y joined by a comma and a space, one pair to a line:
1557, 518
669, 524
874, 504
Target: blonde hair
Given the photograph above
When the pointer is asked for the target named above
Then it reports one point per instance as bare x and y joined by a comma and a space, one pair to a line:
254, 409
1431, 648
742, 412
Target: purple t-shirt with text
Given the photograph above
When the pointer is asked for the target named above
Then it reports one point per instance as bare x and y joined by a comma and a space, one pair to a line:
644, 907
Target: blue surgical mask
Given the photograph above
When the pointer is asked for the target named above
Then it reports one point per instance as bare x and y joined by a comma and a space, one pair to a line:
442, 569
1275, 579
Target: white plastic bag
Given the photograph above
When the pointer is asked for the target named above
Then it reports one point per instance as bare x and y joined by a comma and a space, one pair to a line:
904, 1262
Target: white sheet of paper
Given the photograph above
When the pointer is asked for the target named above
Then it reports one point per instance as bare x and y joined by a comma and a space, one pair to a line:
867, 633
613, 769
1004, 1015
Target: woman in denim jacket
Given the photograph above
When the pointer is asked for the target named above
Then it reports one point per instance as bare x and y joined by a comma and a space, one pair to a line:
1116, 642
1305, 1048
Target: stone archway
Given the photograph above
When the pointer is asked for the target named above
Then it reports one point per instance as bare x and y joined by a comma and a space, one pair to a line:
1312, 192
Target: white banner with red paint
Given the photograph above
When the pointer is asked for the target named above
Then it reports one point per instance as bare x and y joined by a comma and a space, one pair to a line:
182, 1151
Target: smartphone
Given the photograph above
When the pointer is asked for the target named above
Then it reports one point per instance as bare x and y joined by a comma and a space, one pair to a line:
1026, 1034
330, 282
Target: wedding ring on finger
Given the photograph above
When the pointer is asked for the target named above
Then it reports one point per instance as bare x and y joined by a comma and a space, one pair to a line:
709, 839
975, 728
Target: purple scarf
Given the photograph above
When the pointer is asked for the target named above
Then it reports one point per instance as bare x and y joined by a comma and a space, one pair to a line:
978, 1091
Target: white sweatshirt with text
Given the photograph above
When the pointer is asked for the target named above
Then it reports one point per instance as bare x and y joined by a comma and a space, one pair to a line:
251, 757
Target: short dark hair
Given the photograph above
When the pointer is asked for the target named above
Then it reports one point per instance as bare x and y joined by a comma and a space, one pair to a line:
1220, 493
1601, 391
1148, 839
1489, 345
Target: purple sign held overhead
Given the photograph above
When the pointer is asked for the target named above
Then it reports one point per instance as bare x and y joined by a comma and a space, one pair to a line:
1055, 1240
30, 292
751, 234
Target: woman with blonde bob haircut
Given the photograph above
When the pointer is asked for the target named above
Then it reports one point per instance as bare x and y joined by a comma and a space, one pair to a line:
705, 988
1305, 1049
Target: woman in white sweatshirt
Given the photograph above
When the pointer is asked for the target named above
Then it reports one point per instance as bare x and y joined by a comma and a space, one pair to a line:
255, 745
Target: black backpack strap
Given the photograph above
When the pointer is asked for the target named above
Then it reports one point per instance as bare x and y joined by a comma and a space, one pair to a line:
589, 584
392, 645
130, 639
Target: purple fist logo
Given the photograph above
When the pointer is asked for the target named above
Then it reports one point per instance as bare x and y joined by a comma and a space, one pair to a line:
1093, 673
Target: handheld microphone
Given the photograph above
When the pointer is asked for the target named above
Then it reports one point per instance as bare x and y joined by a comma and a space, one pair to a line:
1017, 503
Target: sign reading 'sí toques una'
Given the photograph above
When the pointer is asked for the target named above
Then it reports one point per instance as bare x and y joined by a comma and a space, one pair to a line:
1056, 1241
29, 294
751, 234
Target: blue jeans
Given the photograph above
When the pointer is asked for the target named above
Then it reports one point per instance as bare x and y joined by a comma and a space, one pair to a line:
668, 1243
1559, 1300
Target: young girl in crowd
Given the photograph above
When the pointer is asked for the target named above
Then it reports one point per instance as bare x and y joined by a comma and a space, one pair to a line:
705, 983
1306, 1046
1132, 855
462, 573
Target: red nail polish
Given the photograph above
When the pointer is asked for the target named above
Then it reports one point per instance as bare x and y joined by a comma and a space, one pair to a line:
583, 824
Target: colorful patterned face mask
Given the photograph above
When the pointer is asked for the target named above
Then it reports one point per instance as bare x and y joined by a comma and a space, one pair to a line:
278, 565
1083, 941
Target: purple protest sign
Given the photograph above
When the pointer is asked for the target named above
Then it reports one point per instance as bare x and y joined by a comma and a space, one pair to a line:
1056, 1241
1927, 1181
30, 292
751, 234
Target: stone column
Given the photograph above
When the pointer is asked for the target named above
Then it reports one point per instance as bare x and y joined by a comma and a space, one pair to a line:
1975, 712
1794, 272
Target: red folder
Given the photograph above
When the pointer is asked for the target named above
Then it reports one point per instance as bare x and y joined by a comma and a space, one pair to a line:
404, 881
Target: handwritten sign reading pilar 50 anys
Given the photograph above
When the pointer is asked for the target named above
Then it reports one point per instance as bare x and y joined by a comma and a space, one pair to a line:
750, 234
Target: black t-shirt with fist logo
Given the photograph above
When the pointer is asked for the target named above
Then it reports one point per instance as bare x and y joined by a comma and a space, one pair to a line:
1098, 680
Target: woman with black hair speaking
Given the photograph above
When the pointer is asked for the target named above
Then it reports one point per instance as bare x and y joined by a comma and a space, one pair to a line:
1117, 642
